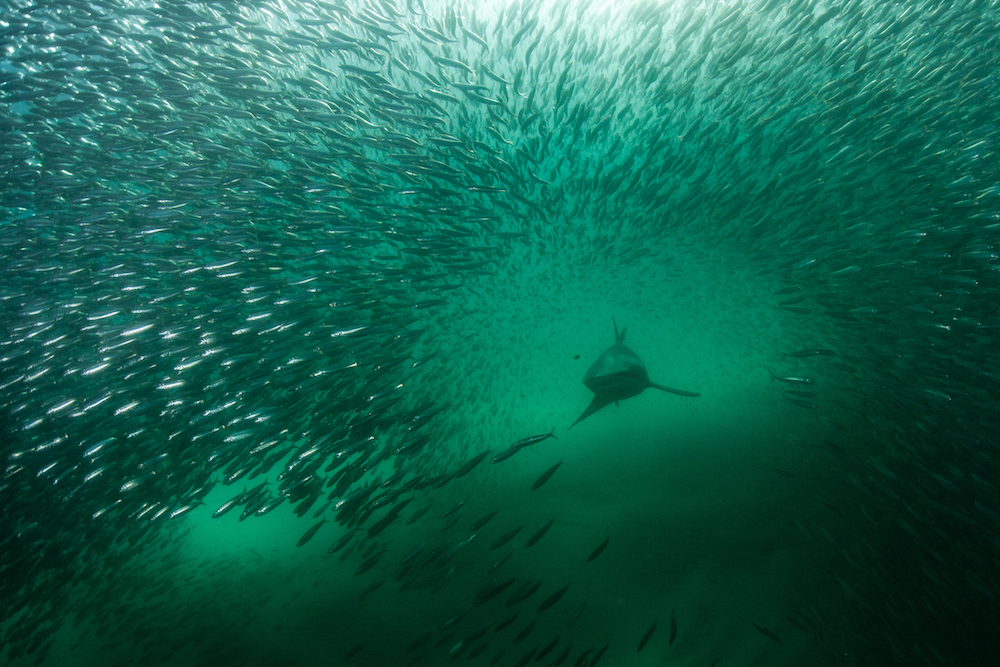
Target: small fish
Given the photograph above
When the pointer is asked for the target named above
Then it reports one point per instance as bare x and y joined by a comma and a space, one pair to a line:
478, 40
783, 472
416, 515
506, 537
791, 379
565, 654
454, 619
226, 506
673, 626
526, 658
522, 635
490, 592
503, 559
472, 463
452, 521
597, 552
767, 633
802, 403
357, 648
410, 556
371, 588
432, 556
830, 507
507, 623
342, 542
420, 641
448, 512
554, 598
310, 533
476, 652
370, 563
810, 353
450, 62
547, 649
526, 590
539, 534
646, 637
545, 476
802, 394
534, 439
482, 522
599, 654
505, 454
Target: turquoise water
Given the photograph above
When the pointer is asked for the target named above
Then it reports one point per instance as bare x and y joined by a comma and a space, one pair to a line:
275, 274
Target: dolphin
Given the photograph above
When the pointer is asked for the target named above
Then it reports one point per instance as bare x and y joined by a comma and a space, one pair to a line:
618, 373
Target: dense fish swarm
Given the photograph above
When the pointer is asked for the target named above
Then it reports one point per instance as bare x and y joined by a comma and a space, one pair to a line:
331, 259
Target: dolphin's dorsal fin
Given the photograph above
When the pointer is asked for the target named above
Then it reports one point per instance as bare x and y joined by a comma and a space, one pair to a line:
619, 337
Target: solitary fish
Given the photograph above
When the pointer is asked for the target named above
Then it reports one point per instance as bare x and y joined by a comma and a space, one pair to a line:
810, 353
310, 533
552, 599
476, 652
618, 374
525, 632
600, 654
673, 626
767, 633
802, 394
521, 444
505, 538
534, 439
526, 590
505, 454
527, 658
547, 649
802, 403
467, 468
646, 637
490, 592
482, 522
791, 379
545, 476
539, 534
503, 559
507, 623
597, 552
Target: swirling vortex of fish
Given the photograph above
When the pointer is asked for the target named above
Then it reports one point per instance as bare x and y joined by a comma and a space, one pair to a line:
281, 279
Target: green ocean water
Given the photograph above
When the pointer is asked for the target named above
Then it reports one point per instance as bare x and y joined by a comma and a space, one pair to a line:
275, 273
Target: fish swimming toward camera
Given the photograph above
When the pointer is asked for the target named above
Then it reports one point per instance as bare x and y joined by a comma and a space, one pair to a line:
617, 374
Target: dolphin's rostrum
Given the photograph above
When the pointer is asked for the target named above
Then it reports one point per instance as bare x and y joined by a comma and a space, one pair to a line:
618, 373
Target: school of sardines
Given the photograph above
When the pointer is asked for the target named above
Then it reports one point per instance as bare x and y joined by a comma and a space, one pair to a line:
239, 239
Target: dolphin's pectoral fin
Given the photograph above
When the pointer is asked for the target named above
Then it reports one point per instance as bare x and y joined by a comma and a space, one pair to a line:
679, 392
594, 406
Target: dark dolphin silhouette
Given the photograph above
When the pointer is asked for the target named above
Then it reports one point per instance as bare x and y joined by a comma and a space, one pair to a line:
618, 373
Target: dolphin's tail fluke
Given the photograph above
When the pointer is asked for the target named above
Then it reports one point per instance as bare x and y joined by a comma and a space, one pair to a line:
595, 405
679, 392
